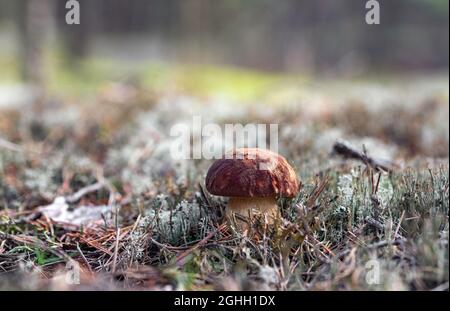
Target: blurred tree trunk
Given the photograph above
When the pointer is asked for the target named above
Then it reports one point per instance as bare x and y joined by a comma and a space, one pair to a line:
34, 22
77, 38
194, 23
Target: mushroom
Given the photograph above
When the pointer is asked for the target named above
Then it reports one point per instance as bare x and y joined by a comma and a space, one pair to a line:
253, 179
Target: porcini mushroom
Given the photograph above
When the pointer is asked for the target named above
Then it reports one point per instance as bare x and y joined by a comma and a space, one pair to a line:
253, 179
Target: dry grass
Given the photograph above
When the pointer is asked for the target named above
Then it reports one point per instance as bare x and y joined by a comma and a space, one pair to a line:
148, 223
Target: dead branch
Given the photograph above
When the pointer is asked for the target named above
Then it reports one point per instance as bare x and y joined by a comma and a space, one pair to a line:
201, 243
10, 146
82, 192
344, 149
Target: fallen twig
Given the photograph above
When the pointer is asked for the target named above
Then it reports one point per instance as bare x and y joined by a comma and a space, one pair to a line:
201, 243
342, 148
6, 144
377, 224
10, 146
83, 191
116, 249
84, 258
24, 239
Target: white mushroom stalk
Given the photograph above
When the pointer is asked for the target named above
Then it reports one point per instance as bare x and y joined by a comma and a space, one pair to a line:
249, 208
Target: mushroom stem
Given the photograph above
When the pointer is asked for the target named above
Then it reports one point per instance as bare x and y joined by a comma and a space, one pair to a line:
251, 207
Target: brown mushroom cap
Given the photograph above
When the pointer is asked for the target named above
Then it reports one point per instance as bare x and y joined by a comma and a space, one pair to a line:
252, 172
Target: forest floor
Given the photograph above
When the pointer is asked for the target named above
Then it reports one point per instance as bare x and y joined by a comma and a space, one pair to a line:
90, 199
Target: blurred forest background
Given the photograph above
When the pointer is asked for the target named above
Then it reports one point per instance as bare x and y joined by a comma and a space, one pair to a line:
324, 36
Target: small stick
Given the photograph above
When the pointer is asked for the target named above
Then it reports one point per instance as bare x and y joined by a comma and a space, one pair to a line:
378, 183
399, 224
84, 258
83, 191
5, 144
116, 250
96, 246
201, 243
10, 146
377, 224
342, 148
